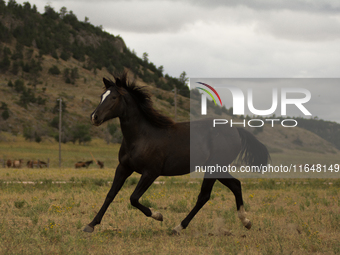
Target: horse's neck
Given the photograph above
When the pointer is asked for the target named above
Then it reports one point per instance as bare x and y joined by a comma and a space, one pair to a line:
134, 126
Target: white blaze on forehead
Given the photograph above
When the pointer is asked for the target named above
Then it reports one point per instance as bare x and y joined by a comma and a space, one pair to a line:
105, 95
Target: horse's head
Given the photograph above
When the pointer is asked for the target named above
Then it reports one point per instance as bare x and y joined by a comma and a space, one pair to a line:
120, 94
110, 105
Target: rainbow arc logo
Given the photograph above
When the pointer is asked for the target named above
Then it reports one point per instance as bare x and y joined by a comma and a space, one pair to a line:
204, 98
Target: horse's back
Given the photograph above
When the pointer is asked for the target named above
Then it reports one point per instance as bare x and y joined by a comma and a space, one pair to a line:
198, 143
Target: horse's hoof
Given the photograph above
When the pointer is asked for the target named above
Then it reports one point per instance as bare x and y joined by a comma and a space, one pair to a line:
88, 229
157, 216
248, 226
177, 230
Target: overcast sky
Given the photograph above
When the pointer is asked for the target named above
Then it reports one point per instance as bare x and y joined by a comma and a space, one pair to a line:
219, 38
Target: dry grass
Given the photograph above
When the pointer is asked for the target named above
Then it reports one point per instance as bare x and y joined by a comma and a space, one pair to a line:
48, 218
289, 216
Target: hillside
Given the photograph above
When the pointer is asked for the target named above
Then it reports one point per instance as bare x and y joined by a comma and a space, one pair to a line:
53, 55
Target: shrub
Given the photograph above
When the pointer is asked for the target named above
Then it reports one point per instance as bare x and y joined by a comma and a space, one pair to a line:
65, 55
81, 133
19, 85
71, 75
298, 141
28, 134
3, 106
37, 137
5, 114
54, 70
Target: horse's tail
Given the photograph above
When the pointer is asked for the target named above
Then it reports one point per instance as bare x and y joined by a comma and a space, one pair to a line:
253, 152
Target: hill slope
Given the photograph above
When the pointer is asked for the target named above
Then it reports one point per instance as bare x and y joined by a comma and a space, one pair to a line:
48, 56
44, 57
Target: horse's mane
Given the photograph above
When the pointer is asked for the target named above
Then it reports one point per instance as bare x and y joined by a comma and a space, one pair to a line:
143, 101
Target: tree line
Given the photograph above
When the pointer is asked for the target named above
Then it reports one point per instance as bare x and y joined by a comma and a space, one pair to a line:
62, 35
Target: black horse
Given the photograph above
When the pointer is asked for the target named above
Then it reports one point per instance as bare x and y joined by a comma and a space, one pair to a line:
153, 145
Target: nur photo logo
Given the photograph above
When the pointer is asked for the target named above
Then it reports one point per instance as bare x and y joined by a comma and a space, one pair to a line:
243, 104
204, 98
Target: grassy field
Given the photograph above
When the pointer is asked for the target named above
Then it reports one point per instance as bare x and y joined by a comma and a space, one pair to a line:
15, 147
289, 216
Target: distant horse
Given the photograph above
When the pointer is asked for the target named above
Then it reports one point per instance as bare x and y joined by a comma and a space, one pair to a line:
17, 163
80, 164
9, 163
100, 164
42, 164
33, 163
153, 145
36, 163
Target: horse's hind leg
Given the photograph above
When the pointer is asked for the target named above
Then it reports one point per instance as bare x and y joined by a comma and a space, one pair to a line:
144, 183
203, 197
235, 186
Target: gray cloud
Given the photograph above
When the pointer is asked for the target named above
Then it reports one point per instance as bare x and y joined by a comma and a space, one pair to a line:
300, 26
328, 6
299, 20
290, 22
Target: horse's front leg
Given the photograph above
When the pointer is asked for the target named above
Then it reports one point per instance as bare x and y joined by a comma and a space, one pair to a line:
121, 175
144, 183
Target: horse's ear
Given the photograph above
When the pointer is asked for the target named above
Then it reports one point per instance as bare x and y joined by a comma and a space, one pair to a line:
118, 82
107, 83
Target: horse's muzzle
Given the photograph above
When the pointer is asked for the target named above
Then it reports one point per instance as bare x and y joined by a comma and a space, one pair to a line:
94, 120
